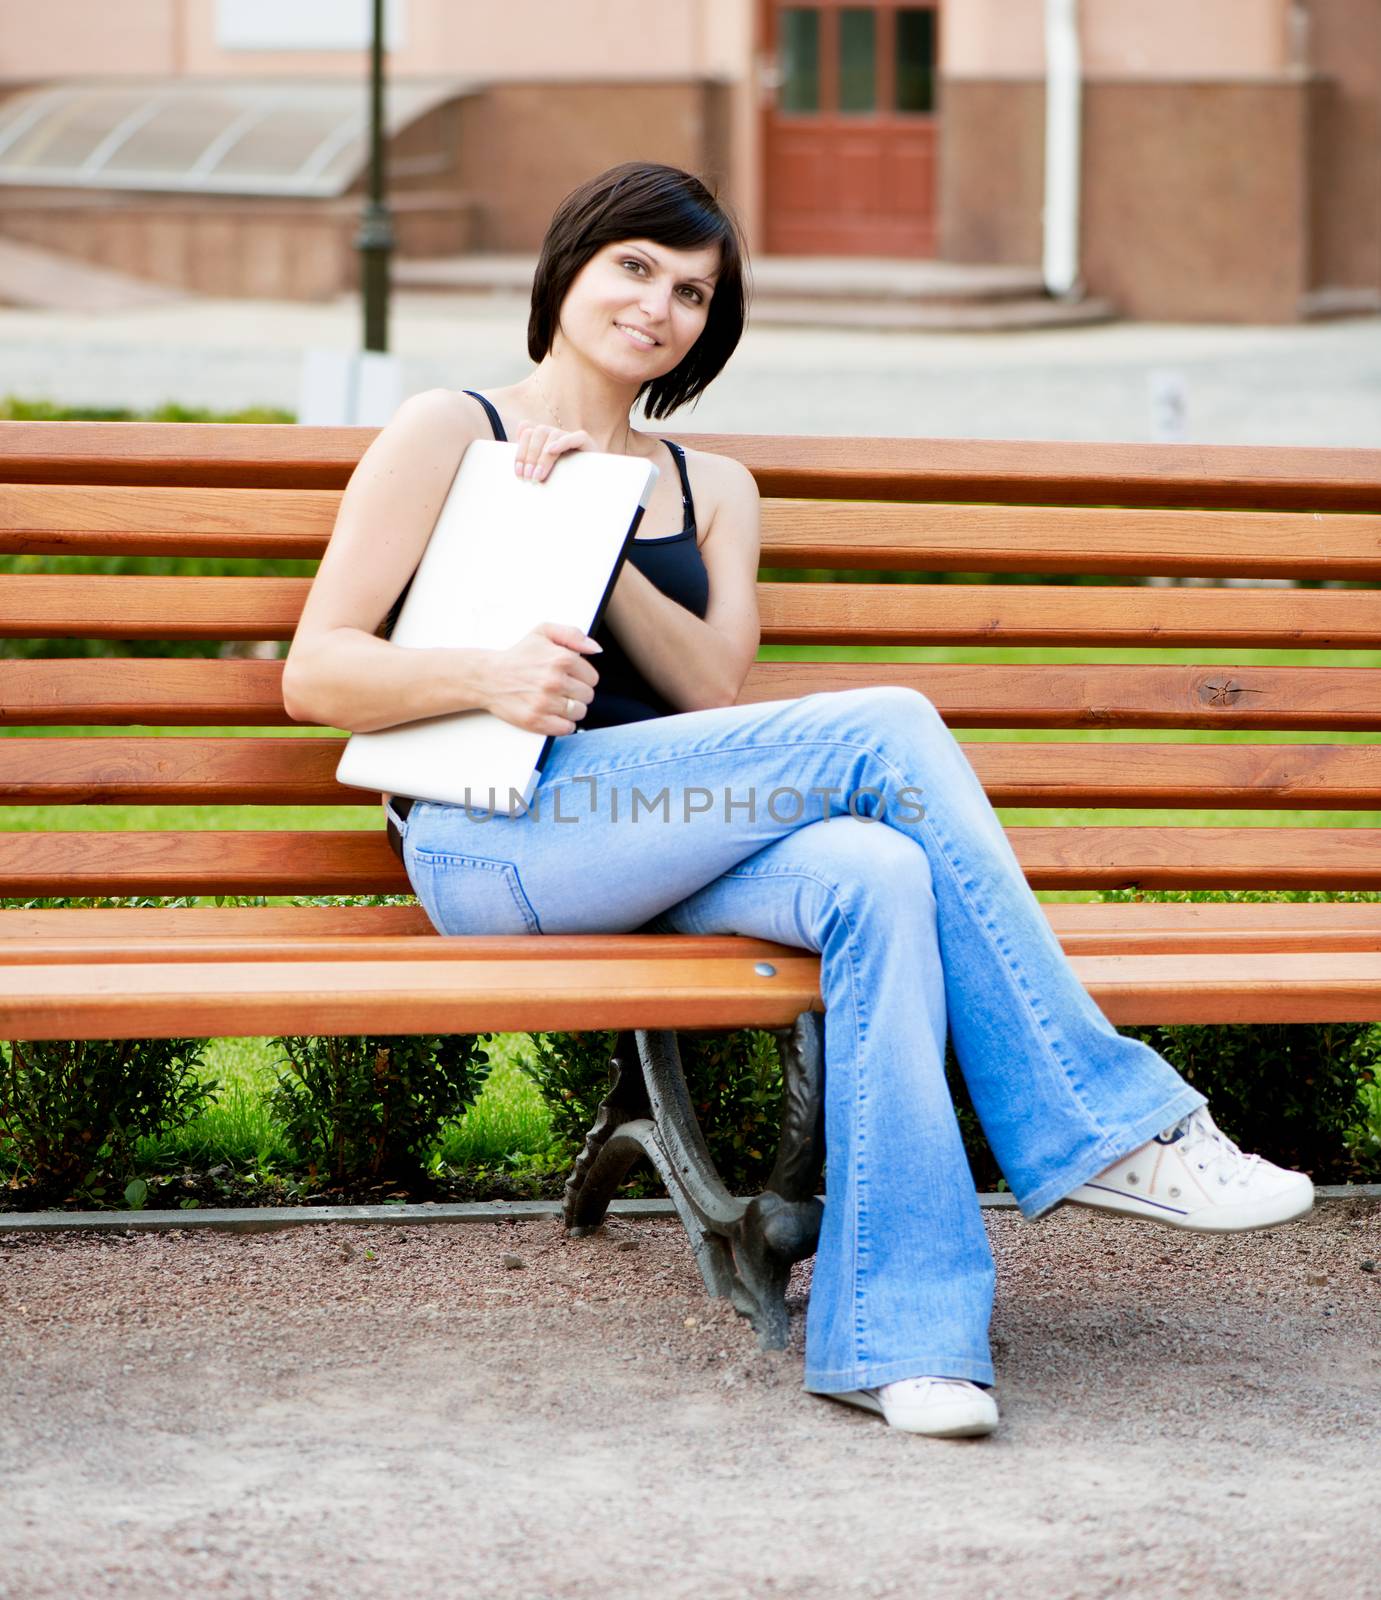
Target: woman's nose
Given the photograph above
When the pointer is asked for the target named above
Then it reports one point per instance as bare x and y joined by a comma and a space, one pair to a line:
656, 300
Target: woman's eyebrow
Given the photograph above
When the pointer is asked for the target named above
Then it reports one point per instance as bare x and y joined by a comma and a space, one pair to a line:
638, 249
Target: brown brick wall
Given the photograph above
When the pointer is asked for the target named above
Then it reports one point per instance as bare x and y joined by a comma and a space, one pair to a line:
1345, 144
524, 146
1194, 202
991, 171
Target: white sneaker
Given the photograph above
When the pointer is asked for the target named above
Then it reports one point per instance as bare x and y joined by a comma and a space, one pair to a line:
1194, 1176
944, 1408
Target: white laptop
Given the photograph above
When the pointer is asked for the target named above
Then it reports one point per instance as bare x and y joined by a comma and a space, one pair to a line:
505, 554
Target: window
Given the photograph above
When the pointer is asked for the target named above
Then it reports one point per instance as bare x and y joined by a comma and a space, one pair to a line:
305, 24
916, 59
800, 59
857, 61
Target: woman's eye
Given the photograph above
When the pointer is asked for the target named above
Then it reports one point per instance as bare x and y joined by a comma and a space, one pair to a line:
694, 296
632, 262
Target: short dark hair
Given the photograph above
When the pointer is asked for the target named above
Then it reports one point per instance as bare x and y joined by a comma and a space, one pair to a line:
646, 200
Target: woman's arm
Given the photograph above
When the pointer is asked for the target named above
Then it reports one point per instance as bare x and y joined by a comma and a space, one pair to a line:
337, 672
695, 664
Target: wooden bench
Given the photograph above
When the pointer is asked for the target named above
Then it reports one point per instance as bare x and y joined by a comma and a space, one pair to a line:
863, 505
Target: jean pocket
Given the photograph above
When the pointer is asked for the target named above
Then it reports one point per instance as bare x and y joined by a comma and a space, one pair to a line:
471, 894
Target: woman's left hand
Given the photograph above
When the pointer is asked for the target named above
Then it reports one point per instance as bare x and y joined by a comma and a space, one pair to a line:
539, 444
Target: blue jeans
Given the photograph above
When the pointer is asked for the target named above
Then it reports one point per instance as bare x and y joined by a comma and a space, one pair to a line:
800, 821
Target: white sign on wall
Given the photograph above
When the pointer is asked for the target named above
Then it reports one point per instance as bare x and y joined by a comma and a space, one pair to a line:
306, 24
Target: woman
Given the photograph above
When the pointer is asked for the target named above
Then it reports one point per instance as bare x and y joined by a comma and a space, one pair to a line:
920, 912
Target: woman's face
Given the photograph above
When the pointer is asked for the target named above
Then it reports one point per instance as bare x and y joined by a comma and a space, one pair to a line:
635, 308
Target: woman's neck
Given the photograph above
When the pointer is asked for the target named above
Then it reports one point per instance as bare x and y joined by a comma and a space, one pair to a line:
575, 398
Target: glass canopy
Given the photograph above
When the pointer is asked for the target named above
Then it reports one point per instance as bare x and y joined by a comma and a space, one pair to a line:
250, 137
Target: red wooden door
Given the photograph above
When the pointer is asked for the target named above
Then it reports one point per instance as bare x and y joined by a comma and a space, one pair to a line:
850, 127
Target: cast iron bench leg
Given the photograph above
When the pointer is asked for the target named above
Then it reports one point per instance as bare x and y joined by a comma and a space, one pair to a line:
744, 1248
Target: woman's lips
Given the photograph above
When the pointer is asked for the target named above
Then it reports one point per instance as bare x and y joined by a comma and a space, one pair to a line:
646, 342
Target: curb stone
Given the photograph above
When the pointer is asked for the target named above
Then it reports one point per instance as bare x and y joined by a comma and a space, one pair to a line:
266, 1219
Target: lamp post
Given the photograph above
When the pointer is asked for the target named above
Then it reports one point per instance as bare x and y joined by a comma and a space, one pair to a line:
374, 241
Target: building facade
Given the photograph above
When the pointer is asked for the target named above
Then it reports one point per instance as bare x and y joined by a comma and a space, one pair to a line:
1228, 163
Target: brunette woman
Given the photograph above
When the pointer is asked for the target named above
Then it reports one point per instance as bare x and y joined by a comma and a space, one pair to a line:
814, 834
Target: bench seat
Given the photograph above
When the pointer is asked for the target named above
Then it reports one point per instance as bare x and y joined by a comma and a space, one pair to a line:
1212, 550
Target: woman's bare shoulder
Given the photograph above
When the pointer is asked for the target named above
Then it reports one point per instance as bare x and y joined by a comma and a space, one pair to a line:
722, 472
440, 410
720, 482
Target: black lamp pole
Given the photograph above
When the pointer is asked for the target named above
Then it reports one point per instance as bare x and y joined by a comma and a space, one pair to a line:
375, 238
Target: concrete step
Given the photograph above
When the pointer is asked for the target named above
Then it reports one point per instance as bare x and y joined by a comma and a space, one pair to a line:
825, 291
44, 280
1339, 302
810, 277
900, 316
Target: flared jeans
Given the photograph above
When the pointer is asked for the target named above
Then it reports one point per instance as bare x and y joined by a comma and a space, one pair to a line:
852, 824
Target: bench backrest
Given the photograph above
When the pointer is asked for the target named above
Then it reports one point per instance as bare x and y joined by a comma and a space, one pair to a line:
860, 508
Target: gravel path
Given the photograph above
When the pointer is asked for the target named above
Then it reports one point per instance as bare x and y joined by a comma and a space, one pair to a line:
337, 1411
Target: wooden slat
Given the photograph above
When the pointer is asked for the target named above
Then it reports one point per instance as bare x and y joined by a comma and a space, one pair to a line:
1328, 987
61, 519
1101, 695
320, 933
249, 998
216, 454
419, 947
1180, 776
283, 862
1185, 858
73, 605
81, 519
181, 769
1061, 539
1158, 925
325, 933
210, 693
1041, 472
1151, 928
60, 924
175, 769
1027, 472
1096, 616
81, 606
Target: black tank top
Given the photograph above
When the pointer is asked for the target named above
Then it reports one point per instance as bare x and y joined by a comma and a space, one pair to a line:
673, 563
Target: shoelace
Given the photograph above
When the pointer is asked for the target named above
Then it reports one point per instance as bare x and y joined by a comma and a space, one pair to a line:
1205, 1140
960, 1383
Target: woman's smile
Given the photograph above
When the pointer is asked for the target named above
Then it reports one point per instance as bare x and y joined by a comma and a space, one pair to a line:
637, 336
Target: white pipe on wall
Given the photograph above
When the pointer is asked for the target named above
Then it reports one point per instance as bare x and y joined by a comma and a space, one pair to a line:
1060, 216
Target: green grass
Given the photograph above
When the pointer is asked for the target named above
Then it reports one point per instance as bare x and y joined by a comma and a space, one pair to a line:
508, 1119
236, 1127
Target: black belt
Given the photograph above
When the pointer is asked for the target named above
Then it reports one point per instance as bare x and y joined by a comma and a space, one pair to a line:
401, 804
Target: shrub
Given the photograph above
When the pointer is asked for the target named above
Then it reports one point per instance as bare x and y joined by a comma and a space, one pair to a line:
734, 1080
364, 1106
71, 1111
1303, 1095
1288, 1091
13, 409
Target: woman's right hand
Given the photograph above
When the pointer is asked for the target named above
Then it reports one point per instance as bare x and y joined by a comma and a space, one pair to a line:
535, 678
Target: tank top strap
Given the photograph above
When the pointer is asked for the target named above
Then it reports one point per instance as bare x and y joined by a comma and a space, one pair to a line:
678, 455
492, 414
